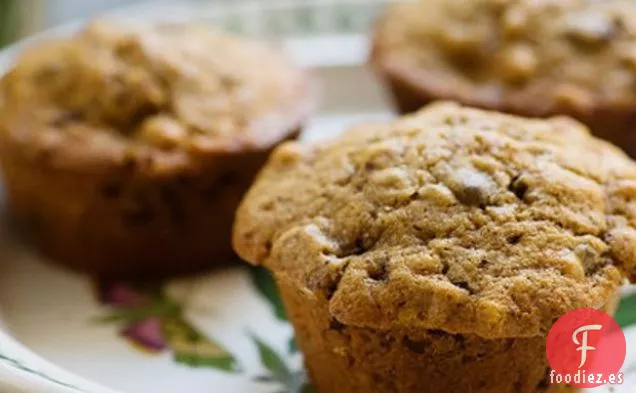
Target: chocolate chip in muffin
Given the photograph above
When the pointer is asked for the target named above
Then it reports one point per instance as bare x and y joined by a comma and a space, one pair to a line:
518, 187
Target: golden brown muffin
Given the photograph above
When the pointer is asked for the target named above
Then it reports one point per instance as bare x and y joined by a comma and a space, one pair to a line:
434, 253
526, 57
126, 149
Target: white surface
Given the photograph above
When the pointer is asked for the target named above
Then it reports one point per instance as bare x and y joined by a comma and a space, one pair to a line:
51, 311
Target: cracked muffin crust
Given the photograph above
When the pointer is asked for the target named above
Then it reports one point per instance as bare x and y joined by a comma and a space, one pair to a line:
452, 222
532, 58
126, 149
454, 219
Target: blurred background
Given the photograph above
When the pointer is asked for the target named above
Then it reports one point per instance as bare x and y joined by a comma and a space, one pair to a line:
22, 17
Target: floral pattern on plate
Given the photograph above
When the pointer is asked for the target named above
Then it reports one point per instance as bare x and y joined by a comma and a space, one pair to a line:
154, 322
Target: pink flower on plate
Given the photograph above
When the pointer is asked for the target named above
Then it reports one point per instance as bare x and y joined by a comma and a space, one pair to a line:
147, 334
154, 323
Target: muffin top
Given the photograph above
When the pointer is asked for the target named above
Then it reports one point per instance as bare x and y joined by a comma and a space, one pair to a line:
453, 218
535, 57
171, 92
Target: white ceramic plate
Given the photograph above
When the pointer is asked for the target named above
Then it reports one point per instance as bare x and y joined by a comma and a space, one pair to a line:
223, 332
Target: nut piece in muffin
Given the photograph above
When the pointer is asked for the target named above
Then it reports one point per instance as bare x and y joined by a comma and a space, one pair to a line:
526, 57
434, 253
126, 149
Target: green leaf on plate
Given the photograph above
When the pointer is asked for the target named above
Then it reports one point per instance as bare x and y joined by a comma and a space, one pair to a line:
288, 381
292, 347
298, 383
159, 308
227, 364
308, 389
265, 378
193, 349
272, 361
266, 285
626, 314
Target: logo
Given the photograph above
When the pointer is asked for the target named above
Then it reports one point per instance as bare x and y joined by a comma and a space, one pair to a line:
586, 348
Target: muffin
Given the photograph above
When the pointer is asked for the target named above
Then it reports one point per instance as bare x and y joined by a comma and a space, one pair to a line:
434, 253
525, 57
126, 149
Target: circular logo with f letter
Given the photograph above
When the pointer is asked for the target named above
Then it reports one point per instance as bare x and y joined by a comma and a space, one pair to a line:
586, 348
